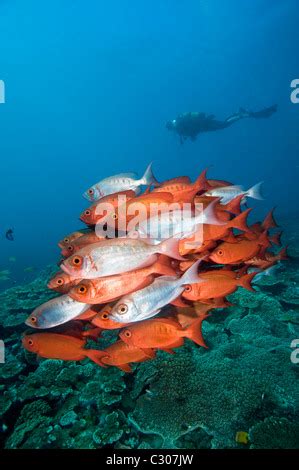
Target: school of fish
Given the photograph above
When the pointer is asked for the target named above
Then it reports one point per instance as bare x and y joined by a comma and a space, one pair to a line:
156, 278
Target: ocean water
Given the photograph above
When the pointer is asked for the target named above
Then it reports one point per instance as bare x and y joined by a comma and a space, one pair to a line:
89, 88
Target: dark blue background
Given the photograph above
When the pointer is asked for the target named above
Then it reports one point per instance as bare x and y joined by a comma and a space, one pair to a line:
90, 85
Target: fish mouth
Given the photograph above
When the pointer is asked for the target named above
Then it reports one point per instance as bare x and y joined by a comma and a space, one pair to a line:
66, 269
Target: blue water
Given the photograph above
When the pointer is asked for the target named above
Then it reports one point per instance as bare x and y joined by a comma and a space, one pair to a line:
90, 85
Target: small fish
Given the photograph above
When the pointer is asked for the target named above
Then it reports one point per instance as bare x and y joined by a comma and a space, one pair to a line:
108, 288
60, 346
4, 275
162, 333
268, 259
227, 193
85, 240
170, 224
143, 205
121, 354
187, 315
102, 320
56, 312
98, 209
121, 182
62, 282
217, 284
185, 192
9, 235
116, 256
29, 269
72, 237
149, 301
243, 250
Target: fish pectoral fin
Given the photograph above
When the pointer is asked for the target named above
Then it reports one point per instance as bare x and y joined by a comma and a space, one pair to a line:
176, 344
125, 368
179, 303
168, 350
149, 352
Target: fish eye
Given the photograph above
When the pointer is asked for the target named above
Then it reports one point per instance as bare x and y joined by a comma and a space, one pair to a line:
33, 319
114, 216
82, 289
220, 252
77, 261
70, 248
66, 240
59, 281
87, 212
188, 288
122, 309
105, 316
90, 191
128, 334
30, 342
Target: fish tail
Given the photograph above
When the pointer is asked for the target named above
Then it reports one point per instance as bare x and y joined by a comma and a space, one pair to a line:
283, 254
210, 215
245, 281
148, 178
234, 206
194, 331
93, 333
95, 355
276, 238
240, 222
255, 191
201, 183
269, 221
191, 275
170, 247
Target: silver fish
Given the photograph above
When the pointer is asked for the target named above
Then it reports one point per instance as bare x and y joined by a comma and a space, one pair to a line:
228, 193
116, 256
121, 182
56, 312
178, 222
148, 302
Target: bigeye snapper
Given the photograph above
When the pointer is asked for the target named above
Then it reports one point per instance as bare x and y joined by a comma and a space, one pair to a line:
178, 222
227, 193
121, 182
116, 256
148, 302
56, 312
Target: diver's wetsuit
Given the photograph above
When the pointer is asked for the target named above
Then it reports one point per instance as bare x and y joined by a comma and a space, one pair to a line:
191, 124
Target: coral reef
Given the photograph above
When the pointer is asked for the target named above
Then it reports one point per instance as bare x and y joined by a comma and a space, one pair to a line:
196, 398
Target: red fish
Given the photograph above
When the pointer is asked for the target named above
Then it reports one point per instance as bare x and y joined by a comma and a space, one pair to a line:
216, 284
235, 253
57, 346
62, 282
81, 242
162, 333
108, 288
268, 260
98, 210
72, 237
103, 320
121, 354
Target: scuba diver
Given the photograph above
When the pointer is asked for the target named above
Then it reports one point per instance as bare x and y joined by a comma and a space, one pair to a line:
9, 234
191, 124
